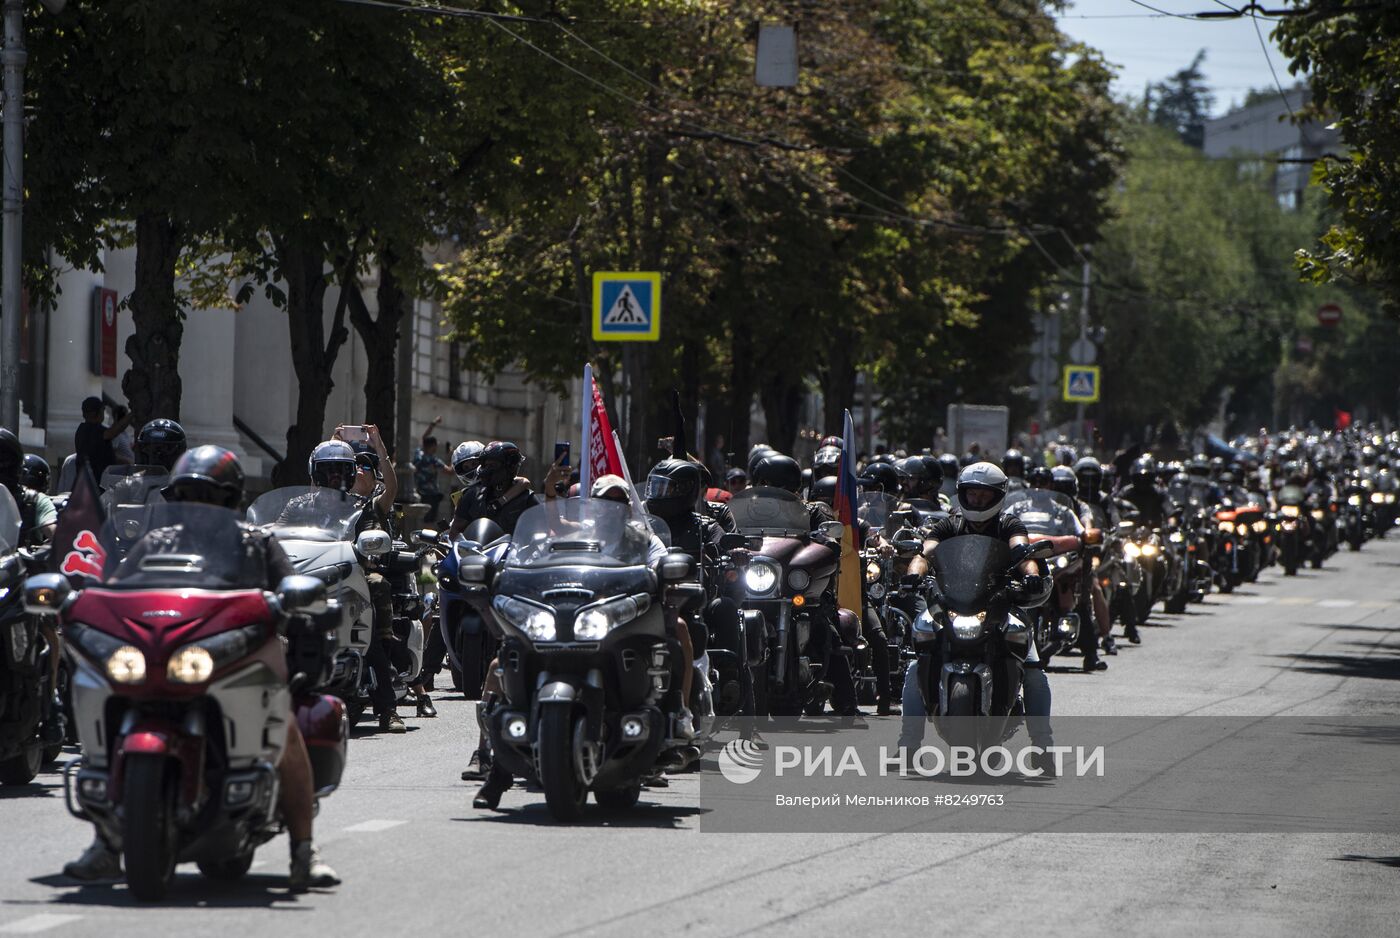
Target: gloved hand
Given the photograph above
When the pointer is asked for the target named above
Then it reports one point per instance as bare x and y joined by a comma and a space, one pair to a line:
1032, 584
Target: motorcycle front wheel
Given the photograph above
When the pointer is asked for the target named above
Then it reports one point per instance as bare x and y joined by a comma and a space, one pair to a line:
21, 769
564, 792
148, 834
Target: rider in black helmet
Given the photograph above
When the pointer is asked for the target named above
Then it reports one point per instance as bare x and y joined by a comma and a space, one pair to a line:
160, 443
34, 473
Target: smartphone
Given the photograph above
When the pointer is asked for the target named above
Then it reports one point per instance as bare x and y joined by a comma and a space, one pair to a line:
355, 434
562, 449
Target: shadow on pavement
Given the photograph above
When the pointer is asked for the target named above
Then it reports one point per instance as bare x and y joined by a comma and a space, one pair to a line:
39, 788
1384, 667
187, 891
645, 815
1393, 862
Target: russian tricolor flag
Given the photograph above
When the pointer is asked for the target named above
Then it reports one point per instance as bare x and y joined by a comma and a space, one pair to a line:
848, 585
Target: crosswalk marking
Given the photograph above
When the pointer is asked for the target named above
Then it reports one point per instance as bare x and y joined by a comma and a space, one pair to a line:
372, 827
37, 923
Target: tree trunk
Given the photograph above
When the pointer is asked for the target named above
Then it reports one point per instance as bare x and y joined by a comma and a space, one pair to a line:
152, 384
782, 408
381, 338
313, 352
840, 384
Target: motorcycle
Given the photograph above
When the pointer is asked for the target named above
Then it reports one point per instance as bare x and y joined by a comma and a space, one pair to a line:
1058, 623
1355, 516
25, 663
316, 528
182, 696
586, 665
470, 644
785, 580
1298, 535
977, 639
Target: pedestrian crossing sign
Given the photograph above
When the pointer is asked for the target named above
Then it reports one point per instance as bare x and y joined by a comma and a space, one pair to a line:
1081, 384
626, 307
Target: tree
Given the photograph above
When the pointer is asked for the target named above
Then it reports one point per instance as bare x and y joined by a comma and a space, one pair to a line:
1182, 103
1350, 53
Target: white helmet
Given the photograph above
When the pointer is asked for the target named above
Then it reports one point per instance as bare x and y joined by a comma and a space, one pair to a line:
987, 477
464, 460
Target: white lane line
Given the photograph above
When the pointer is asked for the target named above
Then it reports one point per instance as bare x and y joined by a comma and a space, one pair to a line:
372, 827
1251, 601
37, 923
1373, 604
1295, 601
1336, 603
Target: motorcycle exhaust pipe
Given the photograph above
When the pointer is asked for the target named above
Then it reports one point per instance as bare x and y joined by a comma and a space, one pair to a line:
780, 662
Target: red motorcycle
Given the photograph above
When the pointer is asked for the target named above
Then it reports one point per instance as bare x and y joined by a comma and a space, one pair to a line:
182, 692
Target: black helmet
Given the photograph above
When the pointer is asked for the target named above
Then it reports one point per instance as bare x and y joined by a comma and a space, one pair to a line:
208, 474
1198, 466
949, 462
499, 463
823, 490
11, 458
1014, 464
757, 453
882, 476
1038, 477
366, 456
934, 468
1089, 471
160, 443
914, 476
1143, 472
1063, 480
778, 471
34, 473
826, 462
968, 459
332, 464
673, 488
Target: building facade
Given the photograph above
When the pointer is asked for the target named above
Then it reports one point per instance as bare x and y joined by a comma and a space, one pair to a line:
1266, 130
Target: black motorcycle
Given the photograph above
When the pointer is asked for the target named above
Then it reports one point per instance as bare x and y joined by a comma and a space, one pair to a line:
589, 672
25, 663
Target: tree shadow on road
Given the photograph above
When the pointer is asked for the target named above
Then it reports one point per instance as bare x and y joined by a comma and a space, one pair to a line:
187, 891
1393, 862
39, 788
1382, 667
645, 815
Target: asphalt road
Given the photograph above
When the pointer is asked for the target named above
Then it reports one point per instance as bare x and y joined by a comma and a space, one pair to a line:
416, 858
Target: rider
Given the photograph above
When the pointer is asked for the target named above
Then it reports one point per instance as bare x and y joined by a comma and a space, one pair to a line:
211, 475
497, 492
37, 514
1065, 480
34, 474
1153, 506
1013, 463
981, 491
160, 443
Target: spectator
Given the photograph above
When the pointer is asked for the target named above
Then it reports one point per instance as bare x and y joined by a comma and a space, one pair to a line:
122, 442
426, 469
92, 443
736, 480
717, 461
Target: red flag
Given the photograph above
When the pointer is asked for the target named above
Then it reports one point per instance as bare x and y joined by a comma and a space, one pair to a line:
77, 552
602, 451
1343, 418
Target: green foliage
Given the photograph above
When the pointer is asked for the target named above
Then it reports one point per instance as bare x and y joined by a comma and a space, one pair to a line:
1182, 103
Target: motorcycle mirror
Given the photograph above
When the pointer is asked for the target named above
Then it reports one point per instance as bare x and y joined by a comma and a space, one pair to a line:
1126, 525
1039, 550
676, 566
427, 536
373, 543
1093, 536
302, 595
831, 530
909, 546
47, 594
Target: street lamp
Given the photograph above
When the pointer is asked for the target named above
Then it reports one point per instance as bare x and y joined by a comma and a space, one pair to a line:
13, 59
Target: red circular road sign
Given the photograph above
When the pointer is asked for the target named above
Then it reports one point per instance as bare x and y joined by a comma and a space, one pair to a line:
1329, 314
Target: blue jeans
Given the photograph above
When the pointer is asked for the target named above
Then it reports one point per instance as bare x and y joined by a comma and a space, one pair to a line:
1035, 694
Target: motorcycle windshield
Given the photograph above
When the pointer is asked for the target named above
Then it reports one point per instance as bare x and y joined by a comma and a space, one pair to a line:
9, 521
591, 532
297, 512
770, 512
969, 569
1042, 513
132, 485
1291, 495
183, 545
877, 510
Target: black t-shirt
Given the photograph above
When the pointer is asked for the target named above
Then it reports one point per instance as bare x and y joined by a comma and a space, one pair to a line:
475, 503
1005, 527
93, 449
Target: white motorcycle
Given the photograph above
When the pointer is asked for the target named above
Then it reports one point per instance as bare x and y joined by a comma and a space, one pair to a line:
316, 528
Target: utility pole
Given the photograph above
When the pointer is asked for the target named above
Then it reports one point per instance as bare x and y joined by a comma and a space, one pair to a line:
1083, 338
13, 59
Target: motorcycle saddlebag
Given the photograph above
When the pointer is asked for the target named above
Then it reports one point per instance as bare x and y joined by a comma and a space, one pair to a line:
325, 728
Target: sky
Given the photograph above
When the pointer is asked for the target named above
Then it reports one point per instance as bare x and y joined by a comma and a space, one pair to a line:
1147, 46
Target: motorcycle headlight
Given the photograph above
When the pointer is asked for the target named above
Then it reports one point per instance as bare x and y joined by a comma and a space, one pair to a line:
1062, 561
760, 579
1132, 551
877, 591
1390, 498
968, 628
1149, 550
537, 622
1176, 537
1353, 499
1094, 564
1290, 511
872, 572
1317, 513
1242, 529
594, 622
127, 665
799, 580
190, 665
1227, 526
1261, 526
1377, 498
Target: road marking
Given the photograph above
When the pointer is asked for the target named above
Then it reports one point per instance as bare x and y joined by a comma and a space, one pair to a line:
372, 827
1373, 604
37, 923
1337, 603
1251, 601
1295, 601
